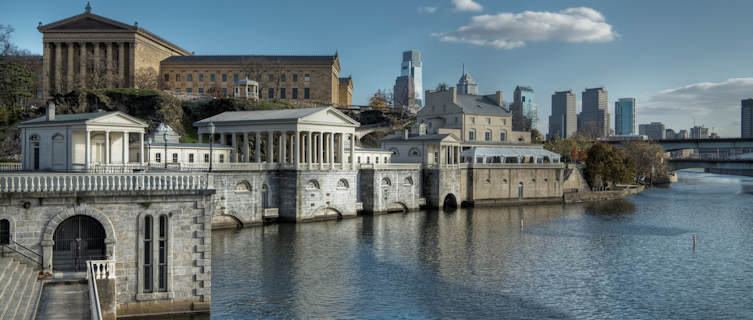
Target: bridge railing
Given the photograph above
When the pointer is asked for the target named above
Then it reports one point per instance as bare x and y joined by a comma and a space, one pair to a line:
10, 166
62, 182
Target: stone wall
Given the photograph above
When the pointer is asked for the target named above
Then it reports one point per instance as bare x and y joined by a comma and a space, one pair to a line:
321, 196
493, 184
239, 196
387, 190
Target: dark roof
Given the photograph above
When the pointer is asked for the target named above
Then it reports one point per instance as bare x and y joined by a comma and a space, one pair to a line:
189, 145
69, 118
243, 58
473, 104
346, 80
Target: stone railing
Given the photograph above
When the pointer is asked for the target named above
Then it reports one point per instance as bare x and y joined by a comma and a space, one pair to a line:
102, 269
515, 165
97, 270
10, 166
62, 182
390, 166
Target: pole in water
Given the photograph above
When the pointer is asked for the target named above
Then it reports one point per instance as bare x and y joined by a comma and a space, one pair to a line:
693, 242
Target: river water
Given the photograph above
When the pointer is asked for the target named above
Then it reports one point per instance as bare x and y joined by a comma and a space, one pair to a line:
625, 259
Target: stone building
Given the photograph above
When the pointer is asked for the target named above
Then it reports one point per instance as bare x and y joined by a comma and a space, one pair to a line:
88, 50
163, 147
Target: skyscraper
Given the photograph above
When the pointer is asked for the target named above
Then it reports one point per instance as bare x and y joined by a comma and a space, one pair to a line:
594, 117
563, 121
653, 130
624, 116
699, 132
411, 66
524, 106
746, 119
466, 84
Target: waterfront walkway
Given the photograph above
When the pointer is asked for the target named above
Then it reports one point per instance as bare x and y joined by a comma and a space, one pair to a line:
64, 300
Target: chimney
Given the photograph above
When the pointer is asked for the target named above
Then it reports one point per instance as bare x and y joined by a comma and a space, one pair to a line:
50, 111
497, 97
454, 93
406, 134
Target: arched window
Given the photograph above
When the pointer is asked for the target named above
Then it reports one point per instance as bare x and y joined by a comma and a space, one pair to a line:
34, 141
415, 153
148, 226
4, 231
408, 181
162, 255
243, 186
520, 190
386, 182
264, 196
342, 184
312, 185
395, 151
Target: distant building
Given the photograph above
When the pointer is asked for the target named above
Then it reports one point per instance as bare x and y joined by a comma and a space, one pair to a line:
624, 116
670, 134
746, 118
466, 84
682, 134
594, 117
699, 132
405, 95
524, 109
412, 67
653, 130
563, 122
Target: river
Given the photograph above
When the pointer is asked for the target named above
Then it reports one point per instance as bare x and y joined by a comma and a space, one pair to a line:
624, 259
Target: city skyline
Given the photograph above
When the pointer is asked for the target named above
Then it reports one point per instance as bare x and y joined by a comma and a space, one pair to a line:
675, 81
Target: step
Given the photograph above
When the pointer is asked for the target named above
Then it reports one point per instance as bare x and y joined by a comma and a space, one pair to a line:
15, 298
8, 282
8, 295
25, 298
5, 263
30, 312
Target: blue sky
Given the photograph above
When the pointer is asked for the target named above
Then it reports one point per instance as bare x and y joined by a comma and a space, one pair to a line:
680, 59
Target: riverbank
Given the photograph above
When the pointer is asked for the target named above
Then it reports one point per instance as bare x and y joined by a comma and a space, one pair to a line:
576, 197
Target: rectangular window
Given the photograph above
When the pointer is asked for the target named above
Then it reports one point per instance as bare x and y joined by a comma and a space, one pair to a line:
201, 77
282, 93
177, 77
224, 77
306, 93
471, 135
148, 254
502, 136
295, 93
473, 120
189, 90
206, 158
488, 120
175, 158
307, 77
162, 273
167, 77
271, 77
222, 158
224, 91
190, 158
235, 77
189, 77
487, 136
211, 77
271, 93
504, 122
158, 157
295, 77
177, 90
201, 90
283, 77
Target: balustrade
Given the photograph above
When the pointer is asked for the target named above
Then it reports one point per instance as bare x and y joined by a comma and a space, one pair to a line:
58, 182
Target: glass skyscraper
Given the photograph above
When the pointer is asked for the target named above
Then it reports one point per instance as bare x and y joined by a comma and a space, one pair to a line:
411, 67
524, 105
624, 120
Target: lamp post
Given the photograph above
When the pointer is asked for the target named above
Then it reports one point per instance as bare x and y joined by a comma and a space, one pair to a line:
164, 135
211, 142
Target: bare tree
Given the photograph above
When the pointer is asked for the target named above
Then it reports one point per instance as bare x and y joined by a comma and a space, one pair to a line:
146, 78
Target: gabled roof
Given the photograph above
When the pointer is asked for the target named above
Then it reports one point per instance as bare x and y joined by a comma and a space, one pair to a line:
82, 118
473, 104
297, 115
89, 22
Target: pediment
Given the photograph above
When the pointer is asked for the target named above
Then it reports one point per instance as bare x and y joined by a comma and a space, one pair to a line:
117, 119
330, 116
86, 21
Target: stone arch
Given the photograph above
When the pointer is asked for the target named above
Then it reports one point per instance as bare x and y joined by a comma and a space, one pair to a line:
343, 184
243, 186
386, 182
408, 181
11, 228
312, 184
84, 210
328, 211
397, 207
450, 201
226, 221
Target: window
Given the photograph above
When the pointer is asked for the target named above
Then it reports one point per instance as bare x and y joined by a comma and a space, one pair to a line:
488, 120
342, 184
211, 77
222, 158
307, 77
473, 120
306, 93
295, 92
158, 157
271, 93
167, 77
189, 77
283, 78
271, 77
488, 136
224, 91
4, 231
359, 159
456, 119
175, 158
177, 90
206, 158
523, 98
201, 77
224, 77
386, 182
201, 90
295, 77
162, 255
503, 136
243, 186
385, 159
408, 181
235, 77
190, 158
376, 159
148, 254
471, 135
312, 185
504, 122
177, 77
282, 93
236, 90
189, 90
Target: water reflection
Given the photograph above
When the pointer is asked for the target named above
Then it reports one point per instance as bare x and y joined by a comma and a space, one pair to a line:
618, 259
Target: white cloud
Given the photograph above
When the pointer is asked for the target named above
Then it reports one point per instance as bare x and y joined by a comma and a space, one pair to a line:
427, 10
713, 104
466, 5
513, 30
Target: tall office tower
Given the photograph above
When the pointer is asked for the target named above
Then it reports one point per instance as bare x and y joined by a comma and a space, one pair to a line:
746, 119
563, 122
653, 130
595, 113
411, 67
466, 84
524, 106
699, 132
624, 116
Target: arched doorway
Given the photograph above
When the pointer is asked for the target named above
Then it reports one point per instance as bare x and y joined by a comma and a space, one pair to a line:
520, 190
4, 231
76, 240
450, 201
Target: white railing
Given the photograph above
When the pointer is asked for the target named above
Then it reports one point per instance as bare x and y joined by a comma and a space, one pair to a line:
102, 269
516, 165
11, 166
60, 182
98, 270
118, 168
388, 166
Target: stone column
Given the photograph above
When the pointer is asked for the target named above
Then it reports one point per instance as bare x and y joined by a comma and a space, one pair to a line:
82, 64
107, 147
297, 149
95, 62
131, 64
234, 150
257, 146
108, 60
87, 149
58, 67
141, 148
442, 155
320, 144
331, 150
69, 76
341, 150
308, 148
46, 70
283, 147
121, 61
270, 147
245, 147
125, 148
352, 151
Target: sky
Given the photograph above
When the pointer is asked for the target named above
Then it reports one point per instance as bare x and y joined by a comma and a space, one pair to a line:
685, 61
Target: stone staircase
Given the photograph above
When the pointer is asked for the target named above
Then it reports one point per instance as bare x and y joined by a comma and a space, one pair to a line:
19, 289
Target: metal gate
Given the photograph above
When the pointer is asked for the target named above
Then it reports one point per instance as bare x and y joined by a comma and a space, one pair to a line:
78, 239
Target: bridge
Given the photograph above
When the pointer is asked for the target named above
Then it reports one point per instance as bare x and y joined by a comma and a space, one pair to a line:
722, 143
736, 167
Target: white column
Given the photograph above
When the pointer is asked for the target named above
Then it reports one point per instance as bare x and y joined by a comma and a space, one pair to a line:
352, 151
88, 149
320, 143
283, 147
234, 151
341, 150
124, 156
308, 149
331, 149
297, 149
201, 137
141, 148
257, 146
107, 147
270, 147
245, 147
